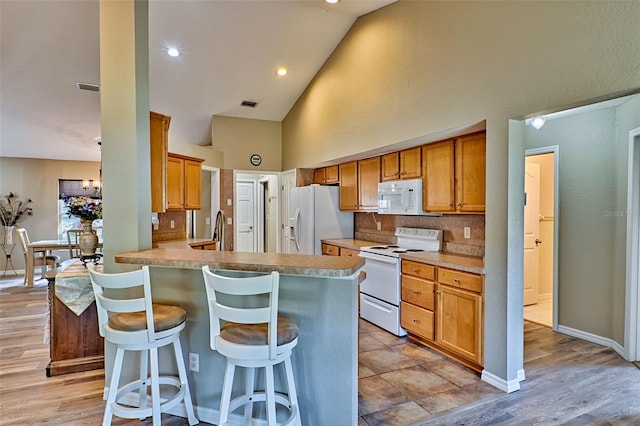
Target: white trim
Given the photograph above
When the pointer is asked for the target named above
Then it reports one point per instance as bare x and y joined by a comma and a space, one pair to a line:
632, 292
500, 383
520, 375
593, 338
555, 150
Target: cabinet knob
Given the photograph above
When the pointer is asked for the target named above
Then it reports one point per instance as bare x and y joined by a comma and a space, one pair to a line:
415, 269
416, 292
450, 204
456, 280
459, 204
437, 291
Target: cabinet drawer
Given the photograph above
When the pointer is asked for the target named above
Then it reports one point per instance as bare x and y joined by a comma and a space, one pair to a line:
418, 269
330, 250
417, 320
349, 252
418, 292
459, 279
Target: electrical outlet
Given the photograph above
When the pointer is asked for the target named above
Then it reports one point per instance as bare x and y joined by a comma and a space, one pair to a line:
229, 221
173, 224
194, 362
156, 226
207, 221
467, 232
228, 201
379, 226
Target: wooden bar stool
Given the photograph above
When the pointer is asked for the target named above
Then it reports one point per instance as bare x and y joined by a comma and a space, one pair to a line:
251, 337
135, 324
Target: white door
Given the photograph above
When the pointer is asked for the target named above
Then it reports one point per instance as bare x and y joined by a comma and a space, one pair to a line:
531, 233
245, 216
288, 182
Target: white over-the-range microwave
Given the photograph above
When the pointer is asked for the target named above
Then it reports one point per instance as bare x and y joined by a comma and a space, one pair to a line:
402, 197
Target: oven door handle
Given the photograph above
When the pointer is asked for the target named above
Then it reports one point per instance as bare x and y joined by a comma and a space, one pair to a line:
384, 259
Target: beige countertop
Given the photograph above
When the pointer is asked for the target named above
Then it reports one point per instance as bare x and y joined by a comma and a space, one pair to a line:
178, 244
290, 264
350, 243
471, 264
462, 263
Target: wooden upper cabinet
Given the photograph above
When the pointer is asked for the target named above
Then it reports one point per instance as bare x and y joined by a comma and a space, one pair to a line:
405, 164
410, 163
318, 176
325, 175
438, 185
175, 183
368, 179
159, 143
471, 159
183, 182
454, 175
331, 174
192, 184
390, 164
349, 186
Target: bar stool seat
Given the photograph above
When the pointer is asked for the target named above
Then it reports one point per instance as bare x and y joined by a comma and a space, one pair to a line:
252, 337
137, 324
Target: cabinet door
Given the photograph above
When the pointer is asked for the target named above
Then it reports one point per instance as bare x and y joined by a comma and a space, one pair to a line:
330, 250
368, 179
417, 320
175, 183
390, 166
348, 252
331, 174
438, 188
410, 163
349, 186
318, 176
459, 322
471, 173
159, 142
192, 185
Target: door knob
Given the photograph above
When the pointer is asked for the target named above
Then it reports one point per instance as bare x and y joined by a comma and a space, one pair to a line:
538, 242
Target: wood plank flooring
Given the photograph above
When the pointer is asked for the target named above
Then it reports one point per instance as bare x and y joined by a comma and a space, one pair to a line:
569, 381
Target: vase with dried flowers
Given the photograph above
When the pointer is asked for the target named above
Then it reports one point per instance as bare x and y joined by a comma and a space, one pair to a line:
12, 211
87, 210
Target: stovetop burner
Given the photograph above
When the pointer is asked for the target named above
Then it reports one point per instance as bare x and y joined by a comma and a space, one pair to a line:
410, 240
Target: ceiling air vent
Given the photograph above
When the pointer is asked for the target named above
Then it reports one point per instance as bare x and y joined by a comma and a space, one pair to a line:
88, 86
249, 104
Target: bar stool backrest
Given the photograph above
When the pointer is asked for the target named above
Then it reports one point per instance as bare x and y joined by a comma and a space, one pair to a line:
108, 304
219, 310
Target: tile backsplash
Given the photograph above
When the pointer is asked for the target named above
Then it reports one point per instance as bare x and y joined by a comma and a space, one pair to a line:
452, 225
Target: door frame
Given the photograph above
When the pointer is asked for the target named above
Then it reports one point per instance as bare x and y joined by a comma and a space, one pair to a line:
632, 297
555, 150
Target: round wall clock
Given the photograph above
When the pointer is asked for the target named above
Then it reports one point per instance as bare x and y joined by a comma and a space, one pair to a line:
255, 160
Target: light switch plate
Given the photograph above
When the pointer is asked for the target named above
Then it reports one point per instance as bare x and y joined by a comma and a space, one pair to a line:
467, 232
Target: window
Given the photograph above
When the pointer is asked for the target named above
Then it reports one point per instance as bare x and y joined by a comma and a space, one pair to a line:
73, 188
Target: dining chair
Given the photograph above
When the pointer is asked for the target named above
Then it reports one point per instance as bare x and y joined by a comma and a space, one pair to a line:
72, 239
41, 258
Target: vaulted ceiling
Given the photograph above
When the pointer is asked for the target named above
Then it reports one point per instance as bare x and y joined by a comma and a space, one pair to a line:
230, 50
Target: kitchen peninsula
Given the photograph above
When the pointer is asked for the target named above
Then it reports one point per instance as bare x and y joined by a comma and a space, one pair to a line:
320, 292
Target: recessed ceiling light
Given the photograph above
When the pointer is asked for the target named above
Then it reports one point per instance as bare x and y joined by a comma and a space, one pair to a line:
281, 71
332, 1
172, 51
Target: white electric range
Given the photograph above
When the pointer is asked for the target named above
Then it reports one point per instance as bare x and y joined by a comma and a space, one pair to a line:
380, 291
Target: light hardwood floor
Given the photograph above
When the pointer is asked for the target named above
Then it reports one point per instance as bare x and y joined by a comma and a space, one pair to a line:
569, 381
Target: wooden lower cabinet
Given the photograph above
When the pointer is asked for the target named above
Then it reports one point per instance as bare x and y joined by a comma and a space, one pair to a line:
349, 252
330, 250
443, 308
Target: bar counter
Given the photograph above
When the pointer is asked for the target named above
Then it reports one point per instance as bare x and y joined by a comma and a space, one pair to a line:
320, 292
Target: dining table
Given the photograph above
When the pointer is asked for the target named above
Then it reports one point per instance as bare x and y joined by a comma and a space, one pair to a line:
44, 246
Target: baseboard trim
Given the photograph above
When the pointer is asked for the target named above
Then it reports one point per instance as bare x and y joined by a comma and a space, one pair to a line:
593, 338
502, 384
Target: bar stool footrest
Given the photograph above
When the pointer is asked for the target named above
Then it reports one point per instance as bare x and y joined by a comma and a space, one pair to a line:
129, 411
281, 399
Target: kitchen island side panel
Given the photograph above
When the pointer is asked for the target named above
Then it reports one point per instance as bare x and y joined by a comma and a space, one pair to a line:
325, 362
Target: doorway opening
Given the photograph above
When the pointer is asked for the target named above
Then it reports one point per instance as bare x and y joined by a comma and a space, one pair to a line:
540, 236
199, 222
256, 212
632, 329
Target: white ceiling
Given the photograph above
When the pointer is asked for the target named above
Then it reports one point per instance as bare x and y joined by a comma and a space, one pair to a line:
230, 50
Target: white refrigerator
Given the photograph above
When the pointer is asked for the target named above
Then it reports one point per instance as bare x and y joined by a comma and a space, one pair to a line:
314, 215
